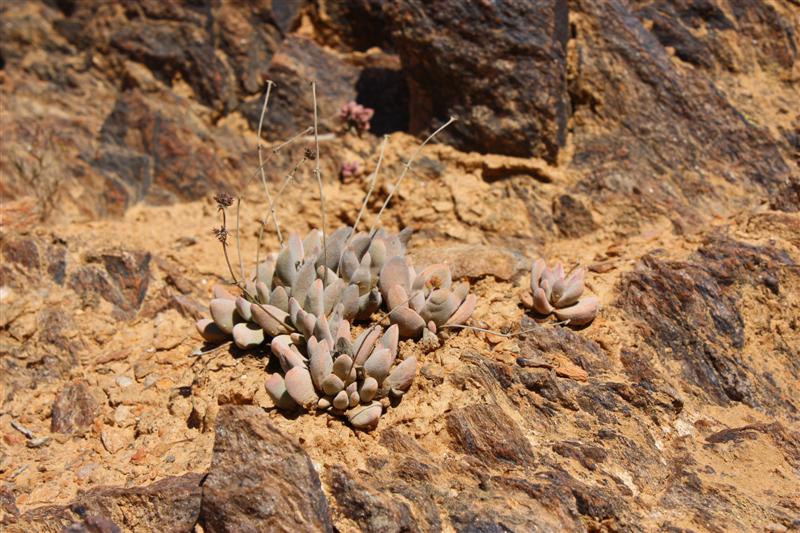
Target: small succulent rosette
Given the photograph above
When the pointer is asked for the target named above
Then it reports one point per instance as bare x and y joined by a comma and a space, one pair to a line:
356, 117
428, 300
329, 372
553, 292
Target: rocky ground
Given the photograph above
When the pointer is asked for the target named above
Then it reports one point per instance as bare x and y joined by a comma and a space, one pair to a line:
655, 143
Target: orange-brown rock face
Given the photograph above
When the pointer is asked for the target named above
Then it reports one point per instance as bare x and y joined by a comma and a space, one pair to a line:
652, 144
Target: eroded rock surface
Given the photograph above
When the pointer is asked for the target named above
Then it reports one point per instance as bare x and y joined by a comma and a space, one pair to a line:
658, 148
259, 479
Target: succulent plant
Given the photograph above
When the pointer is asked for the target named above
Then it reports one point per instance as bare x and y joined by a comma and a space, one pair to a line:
354, 279
552, 291
328, 371
350, 169
425, 300
311, 276
356, 117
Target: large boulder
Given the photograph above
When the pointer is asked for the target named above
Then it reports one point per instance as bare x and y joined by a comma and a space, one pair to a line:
499, 67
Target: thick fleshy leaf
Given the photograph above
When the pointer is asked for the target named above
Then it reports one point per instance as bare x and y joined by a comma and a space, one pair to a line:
288, 260
343, 333
219, 291
378, 364
273, 320
360, 243
349, 300
352, 391
363, 276
280, 345
368, 304
365, 417
341, 401
265, 272
461, 289
300, 387
332, 295
312, 245
572, 290
243, 308
343, 366
247, 335
546, 287
279, 298
365, 343
537, 269
223, 311
349, 266
315, 303
540, 303
210, 331
305, 277
390, 339
393, 274
417, 301
368, 389
322, 331
434, 277
320, 362
335, 247
291, 358
549, 277
464, 311
397, 297
377, 251
399, 381
333, 323
262, 292
558, 289
408, 321
580, 313
440, 306
276, 388
332, 384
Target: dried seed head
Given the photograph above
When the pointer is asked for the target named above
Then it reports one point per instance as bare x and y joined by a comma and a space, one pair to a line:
223, 200
221, 234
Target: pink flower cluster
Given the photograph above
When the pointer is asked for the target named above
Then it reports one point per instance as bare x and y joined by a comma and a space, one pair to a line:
350, 169
356, 116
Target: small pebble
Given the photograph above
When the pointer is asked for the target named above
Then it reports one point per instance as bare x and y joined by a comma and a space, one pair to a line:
124, 381
169, 459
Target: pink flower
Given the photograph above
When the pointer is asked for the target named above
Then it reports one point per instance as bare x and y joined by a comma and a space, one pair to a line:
356, 117
350, 169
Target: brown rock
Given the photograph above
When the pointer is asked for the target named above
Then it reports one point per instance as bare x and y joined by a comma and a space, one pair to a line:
123, 281
171, 505
259, 479
296, 63
622, 70
555, 345
691, 313
373, 510
517, 106
571, 217
489, 434
73, 409
342, 24
150, 150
